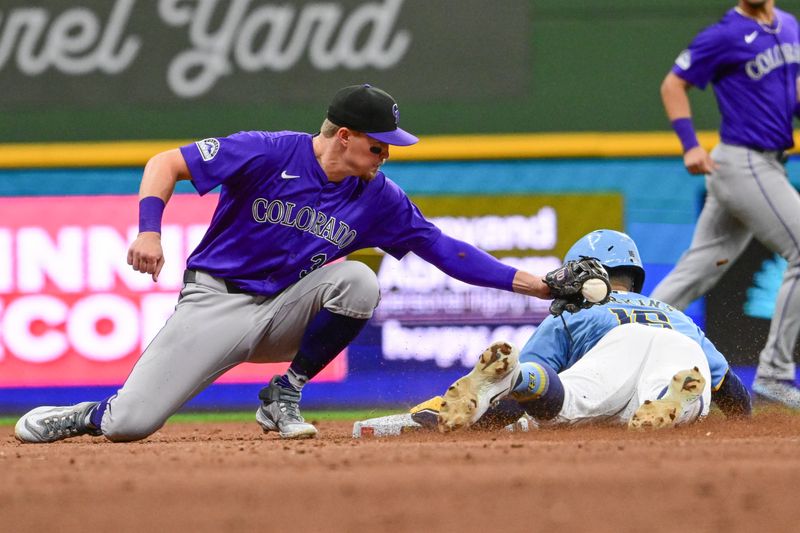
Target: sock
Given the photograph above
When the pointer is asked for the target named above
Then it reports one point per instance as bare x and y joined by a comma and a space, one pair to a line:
326, 336
95, 416
505, 412
539, 390
291, 380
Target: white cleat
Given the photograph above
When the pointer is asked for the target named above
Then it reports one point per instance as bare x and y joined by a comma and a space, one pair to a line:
288, 423
469, 397
684, 389
51, 424
778, 391
280, 411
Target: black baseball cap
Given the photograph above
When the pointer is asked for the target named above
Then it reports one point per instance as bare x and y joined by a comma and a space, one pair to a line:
369, 110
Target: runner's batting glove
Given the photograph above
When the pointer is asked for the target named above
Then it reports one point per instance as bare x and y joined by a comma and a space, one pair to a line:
566, 285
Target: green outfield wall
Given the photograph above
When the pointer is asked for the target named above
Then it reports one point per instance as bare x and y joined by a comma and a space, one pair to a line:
78, 70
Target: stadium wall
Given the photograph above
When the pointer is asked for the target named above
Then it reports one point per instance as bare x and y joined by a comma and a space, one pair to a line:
166, 69
538, 177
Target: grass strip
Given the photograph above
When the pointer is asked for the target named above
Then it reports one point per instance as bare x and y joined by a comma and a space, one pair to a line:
248, 416
351, 415
357, 414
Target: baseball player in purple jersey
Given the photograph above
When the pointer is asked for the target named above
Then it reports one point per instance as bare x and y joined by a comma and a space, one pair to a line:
260, 286
751, 59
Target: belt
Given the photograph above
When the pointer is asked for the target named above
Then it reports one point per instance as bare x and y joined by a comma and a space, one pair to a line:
779, 154
190, 276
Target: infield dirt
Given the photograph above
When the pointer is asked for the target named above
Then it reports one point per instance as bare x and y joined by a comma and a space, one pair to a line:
714, 476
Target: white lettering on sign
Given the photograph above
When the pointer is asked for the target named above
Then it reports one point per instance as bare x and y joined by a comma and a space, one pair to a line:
99, 327
72, 42
514, 232
223, 35
41, 258
94, 258
122, 332
35, 347
446, 346
277, 37
5, 261
412, 273
121, 336
88, 263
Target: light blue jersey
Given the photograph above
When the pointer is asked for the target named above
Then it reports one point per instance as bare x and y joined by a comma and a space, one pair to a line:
553, 345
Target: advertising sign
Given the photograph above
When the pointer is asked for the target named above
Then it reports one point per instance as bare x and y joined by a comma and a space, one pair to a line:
93, 51
428, 317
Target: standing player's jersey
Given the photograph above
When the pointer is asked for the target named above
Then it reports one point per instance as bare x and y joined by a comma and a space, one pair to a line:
752, 67
562, 347
278, 216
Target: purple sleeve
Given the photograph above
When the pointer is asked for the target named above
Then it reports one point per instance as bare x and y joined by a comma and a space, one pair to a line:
399, 225
467, 263
698, 63
214, 161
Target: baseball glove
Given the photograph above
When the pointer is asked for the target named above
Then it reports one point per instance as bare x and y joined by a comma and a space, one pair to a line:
566, 284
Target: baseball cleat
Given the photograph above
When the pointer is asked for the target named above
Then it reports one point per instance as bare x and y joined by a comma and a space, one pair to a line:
777, 390
426, 414
667, 412
51, 424
280, 411
490, 380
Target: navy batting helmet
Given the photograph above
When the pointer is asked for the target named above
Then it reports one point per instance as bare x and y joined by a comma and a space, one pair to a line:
613, 249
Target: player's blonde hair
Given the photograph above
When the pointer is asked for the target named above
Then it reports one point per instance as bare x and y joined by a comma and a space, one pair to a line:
328, 129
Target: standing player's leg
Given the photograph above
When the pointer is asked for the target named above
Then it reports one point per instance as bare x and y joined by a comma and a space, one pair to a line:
315, 320
719, 239
767, 202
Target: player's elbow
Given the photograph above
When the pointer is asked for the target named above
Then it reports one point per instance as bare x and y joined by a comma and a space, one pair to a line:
168, 164
673, 85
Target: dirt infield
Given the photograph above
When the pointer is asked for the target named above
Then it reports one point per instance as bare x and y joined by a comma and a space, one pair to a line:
714, 476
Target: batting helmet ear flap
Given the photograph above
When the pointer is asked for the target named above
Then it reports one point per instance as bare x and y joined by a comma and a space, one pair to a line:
612, 249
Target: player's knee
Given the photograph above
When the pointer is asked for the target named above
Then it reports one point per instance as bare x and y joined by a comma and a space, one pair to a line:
357, 290
130, 429
127, 420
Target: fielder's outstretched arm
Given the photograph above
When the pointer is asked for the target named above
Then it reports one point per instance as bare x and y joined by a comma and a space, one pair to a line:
160, 175
472, 265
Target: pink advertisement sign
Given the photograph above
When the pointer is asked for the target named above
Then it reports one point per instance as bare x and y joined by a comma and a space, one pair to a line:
72, 312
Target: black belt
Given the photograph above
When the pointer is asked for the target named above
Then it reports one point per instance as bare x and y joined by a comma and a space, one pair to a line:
190, 276
781, 155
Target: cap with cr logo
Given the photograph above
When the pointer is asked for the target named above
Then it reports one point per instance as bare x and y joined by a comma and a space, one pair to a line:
369, 110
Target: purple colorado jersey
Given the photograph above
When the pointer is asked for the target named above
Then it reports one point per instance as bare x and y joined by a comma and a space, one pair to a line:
753, 68
279, 217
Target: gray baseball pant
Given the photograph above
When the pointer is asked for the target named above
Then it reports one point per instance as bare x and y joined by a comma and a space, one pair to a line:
213, 330
749, 195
